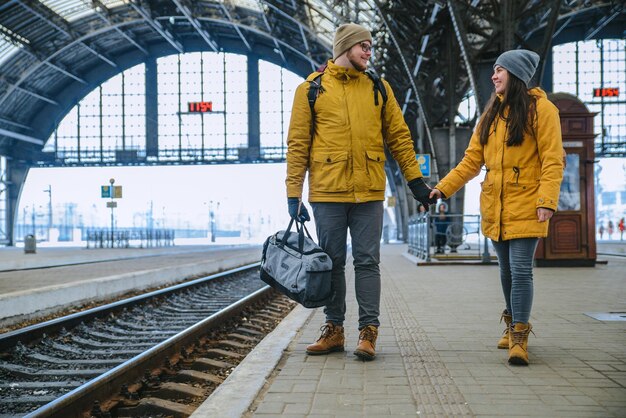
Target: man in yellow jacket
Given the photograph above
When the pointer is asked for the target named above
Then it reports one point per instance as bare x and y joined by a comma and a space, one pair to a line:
341, 145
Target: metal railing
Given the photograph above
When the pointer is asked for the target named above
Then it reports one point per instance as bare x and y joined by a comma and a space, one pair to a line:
460, 233
70, 157
129, 238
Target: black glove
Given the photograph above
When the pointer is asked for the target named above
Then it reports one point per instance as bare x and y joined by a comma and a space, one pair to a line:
293, 203
421, 192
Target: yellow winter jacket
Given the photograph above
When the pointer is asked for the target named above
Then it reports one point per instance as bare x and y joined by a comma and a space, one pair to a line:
519, 179
345, 158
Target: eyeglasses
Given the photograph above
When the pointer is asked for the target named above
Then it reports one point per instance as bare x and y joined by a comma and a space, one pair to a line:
366, 47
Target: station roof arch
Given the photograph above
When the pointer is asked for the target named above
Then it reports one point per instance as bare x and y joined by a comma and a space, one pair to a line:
54, 52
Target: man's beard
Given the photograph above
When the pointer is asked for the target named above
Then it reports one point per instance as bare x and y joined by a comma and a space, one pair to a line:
356, 63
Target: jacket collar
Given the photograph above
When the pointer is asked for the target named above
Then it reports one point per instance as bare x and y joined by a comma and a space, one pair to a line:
340, 72
538, 92
535, 91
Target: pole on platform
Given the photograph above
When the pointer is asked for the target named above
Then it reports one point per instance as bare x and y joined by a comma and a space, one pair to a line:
49, 191
428, 237
486, 255
112, 181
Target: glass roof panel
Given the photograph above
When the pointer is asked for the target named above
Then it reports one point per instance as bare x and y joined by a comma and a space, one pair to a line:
69, 10
249, 4
7, 48
112, 3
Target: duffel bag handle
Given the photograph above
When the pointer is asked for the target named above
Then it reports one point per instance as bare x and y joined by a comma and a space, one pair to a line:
301, 230
283, 241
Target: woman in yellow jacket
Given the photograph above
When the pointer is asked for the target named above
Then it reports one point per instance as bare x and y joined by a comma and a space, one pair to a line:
518, 140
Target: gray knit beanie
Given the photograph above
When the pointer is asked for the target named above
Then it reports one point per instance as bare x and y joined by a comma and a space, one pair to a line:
522, 63
347, 36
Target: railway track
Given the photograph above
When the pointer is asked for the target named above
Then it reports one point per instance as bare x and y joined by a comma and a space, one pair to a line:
161, 353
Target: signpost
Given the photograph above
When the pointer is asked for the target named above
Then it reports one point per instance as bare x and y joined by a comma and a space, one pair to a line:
113, 192
424, 161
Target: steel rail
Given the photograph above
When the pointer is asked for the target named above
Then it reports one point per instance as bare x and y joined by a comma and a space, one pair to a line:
30, 333
81, 399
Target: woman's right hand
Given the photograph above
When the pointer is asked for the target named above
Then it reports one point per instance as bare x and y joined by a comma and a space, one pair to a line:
435, 193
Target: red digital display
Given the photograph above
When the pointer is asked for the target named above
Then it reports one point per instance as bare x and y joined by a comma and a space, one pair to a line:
200, 107
606, 92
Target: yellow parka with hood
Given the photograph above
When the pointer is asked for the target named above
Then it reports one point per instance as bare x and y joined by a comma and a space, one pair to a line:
345, 158
519, 179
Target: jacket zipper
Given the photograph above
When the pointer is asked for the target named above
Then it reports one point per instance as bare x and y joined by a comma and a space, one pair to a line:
502, 181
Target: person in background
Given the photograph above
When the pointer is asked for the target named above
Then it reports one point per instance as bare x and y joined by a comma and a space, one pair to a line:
601, 229
518, 140
609, 229
621, 227
345, 160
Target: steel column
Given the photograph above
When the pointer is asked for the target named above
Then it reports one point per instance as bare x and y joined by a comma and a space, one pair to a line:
254, 119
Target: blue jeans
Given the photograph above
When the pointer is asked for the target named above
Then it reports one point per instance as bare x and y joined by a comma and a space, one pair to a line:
515, 258
365, 222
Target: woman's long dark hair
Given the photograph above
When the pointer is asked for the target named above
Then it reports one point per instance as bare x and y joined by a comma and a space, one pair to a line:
522, 112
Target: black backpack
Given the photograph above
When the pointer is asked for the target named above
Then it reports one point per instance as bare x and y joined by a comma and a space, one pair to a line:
316, 88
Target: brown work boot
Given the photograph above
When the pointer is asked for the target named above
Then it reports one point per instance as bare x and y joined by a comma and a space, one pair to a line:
366, 349
518, 344
332, 339
504, 340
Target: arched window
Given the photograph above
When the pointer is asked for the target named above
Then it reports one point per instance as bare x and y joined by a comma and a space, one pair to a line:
109, 124
110, 118
595, 72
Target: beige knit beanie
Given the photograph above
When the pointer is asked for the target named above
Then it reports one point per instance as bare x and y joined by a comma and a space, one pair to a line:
347, 36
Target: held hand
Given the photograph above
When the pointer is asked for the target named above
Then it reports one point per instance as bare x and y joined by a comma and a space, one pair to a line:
297, 210
544, 214
421, 192
435, 194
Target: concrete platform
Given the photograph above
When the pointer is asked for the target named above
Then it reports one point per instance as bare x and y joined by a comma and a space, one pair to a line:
437, 354
34, 285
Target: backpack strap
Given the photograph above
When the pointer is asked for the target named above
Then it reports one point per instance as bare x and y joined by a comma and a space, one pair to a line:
379, 86
315, 87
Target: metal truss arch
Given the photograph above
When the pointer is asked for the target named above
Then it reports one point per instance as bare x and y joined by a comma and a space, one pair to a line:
53, 52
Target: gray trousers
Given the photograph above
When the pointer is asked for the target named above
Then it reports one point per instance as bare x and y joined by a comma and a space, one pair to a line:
365, 222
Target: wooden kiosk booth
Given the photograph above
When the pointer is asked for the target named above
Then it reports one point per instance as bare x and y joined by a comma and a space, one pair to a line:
571, 238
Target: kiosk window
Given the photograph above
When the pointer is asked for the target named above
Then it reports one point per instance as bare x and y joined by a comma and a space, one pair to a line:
569, 198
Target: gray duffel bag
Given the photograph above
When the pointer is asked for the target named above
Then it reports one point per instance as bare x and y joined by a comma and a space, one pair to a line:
296, 266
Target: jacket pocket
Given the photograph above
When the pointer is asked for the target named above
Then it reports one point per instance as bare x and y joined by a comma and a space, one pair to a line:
519, 200
487, 198
376, 170
329, 172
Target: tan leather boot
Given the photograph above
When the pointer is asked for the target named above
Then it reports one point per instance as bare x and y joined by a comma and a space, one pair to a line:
504, 340
366, 349
332, 339
518, 344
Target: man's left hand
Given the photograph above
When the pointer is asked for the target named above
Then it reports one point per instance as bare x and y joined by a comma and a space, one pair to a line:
421, 192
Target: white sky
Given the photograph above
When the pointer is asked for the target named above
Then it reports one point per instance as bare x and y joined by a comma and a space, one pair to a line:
185, 192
